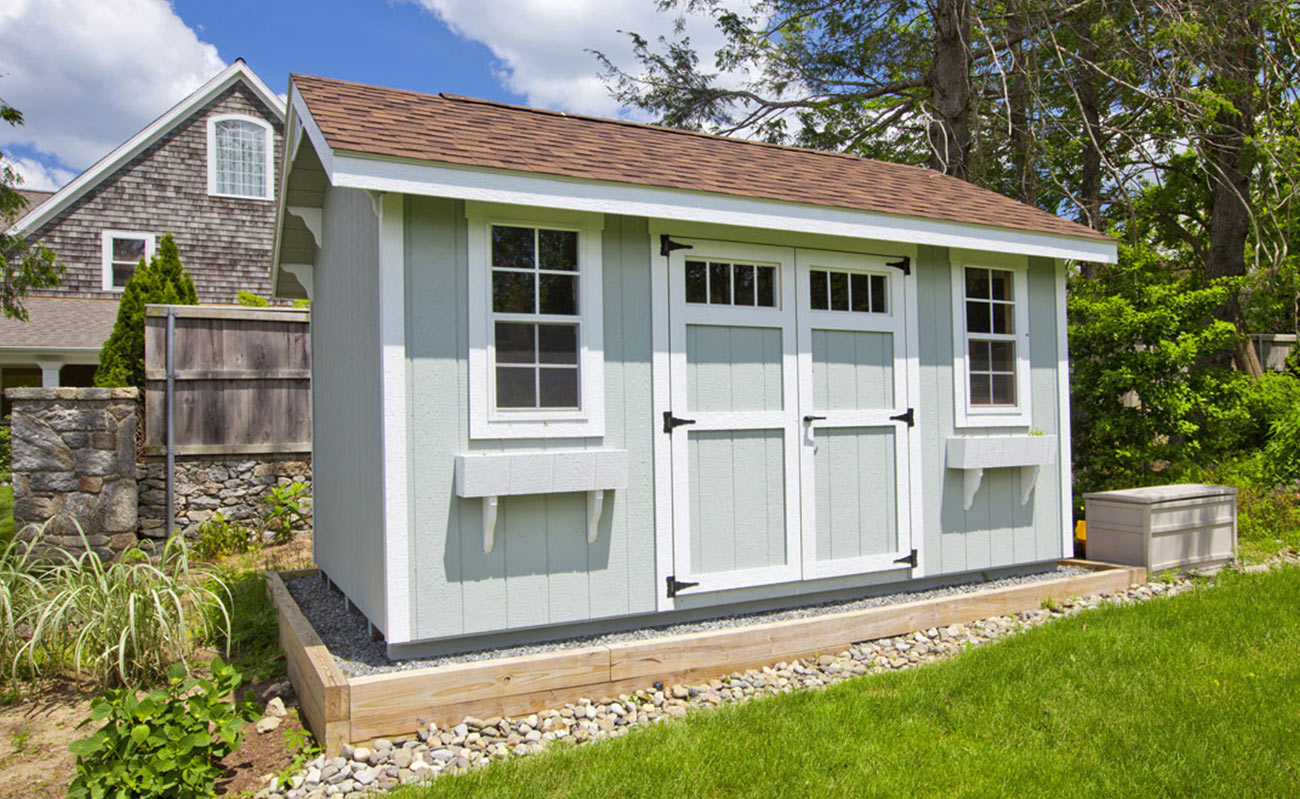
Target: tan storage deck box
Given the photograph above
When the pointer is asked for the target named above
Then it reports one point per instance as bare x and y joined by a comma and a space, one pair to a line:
1163, 527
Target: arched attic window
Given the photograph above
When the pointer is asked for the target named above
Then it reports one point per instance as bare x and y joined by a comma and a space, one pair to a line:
239, 156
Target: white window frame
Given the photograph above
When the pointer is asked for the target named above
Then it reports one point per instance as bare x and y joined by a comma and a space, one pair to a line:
968, 414
486, 421
106, 253
269, 152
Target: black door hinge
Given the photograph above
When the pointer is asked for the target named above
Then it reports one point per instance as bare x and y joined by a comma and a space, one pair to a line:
910, 560
909, 417
675, 585
671, 421
667, 245
904, 263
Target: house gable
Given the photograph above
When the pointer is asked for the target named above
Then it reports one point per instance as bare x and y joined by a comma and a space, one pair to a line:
161, 184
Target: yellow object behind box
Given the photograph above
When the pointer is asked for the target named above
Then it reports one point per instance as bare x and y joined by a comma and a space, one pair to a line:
1081, 530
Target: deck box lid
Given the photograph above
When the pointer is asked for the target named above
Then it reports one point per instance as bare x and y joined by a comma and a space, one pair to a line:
1155, 494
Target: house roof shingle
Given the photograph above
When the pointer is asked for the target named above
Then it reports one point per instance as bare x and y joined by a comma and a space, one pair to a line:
457, 130
60, 323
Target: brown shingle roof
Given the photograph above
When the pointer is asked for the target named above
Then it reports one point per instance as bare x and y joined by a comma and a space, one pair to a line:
55, 322
460, 130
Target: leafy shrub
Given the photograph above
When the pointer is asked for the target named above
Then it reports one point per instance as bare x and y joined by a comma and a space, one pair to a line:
252, 639
218, 537
121, 622
250, 300
283, 509
162, 280
166, 744
6, 450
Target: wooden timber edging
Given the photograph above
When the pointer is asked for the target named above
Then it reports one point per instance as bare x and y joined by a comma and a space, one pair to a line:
342, 709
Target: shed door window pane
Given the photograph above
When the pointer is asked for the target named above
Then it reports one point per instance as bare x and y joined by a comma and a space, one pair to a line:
241, 158
535, 309
847, 291
125, 254
990, 329
724, 283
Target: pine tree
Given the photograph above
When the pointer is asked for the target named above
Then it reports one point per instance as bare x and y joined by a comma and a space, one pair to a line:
161, 281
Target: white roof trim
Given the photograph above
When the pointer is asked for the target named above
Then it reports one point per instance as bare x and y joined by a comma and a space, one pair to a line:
139, 142
521, 188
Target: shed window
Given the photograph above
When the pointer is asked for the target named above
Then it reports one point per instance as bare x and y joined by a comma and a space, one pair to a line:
239, 157
535, 315
535, 322
121, 252
724, 283
991, 345
847, 291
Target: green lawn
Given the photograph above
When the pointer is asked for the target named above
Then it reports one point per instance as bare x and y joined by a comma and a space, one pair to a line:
1198, 695
6, 514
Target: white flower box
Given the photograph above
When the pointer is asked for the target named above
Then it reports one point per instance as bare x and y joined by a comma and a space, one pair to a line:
977, 453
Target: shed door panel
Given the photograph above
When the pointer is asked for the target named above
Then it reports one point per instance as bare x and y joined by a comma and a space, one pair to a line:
853, 391
733, 374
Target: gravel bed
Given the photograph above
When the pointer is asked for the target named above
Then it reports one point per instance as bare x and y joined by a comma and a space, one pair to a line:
347, 634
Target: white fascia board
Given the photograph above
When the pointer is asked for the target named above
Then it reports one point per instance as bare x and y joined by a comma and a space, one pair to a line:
135, 145
515, 188
298, 125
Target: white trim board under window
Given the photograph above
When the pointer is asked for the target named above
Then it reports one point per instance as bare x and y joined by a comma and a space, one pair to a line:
120, 253
990, 364
536, 343
241, 157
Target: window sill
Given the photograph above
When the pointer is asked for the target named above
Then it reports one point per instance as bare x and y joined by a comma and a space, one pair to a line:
261, 199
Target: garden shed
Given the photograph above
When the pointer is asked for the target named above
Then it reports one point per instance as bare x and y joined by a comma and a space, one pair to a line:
572, 374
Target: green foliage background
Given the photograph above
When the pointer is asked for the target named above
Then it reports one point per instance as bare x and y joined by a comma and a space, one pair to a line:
163, 280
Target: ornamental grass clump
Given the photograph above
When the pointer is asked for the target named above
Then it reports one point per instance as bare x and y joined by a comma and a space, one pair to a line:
123, 622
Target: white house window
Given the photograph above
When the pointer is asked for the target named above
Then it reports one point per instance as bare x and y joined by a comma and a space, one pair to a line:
121, 253
991, 344
536, 354
239, 157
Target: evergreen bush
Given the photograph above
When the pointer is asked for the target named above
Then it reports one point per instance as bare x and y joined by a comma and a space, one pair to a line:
163, 280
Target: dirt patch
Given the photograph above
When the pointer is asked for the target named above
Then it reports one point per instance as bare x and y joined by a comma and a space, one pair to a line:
260, 755
34, 735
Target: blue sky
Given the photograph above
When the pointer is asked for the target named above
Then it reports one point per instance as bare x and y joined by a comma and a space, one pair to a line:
89, 74
402, 45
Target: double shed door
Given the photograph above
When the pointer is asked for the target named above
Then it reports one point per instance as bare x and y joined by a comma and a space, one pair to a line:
789, 423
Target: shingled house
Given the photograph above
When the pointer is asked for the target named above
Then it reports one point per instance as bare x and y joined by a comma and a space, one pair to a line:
203, 171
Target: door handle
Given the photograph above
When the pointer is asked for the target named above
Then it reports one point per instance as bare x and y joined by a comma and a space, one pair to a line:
809, 419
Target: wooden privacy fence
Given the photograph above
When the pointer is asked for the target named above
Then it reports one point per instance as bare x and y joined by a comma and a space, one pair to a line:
241, 379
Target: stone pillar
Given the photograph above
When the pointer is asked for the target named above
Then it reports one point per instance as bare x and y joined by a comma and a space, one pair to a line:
74, 465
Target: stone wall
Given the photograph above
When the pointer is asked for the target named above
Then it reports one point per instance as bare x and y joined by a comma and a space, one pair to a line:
74, 463
206, 485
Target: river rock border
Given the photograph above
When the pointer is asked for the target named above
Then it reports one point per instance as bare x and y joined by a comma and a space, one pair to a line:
474, 743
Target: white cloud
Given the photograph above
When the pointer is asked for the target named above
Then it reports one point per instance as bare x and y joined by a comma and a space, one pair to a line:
88, 74
543, 44
39, 176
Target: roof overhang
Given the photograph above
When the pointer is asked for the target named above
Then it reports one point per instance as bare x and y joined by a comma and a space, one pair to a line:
64, 197
377, 174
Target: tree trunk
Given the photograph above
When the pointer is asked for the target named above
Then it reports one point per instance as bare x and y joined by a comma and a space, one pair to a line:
1089, 98
1021, 138
1230, 160
949, 83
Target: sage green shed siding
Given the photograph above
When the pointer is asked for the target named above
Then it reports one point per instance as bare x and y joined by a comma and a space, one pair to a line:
542, 572
347, 416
